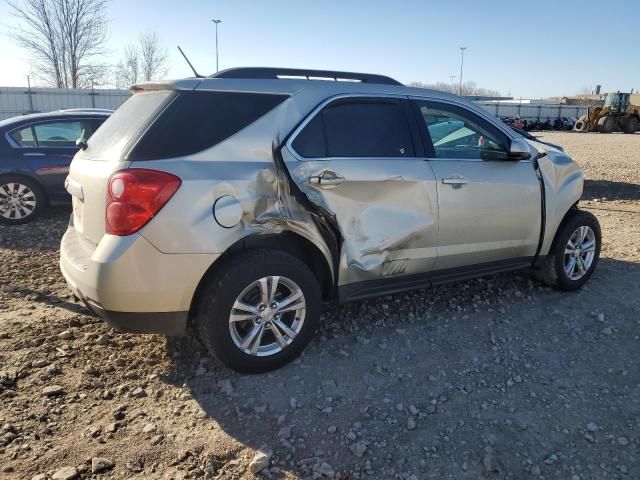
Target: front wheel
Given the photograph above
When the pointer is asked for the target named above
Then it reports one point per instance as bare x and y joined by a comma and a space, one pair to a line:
260, 311
574, 253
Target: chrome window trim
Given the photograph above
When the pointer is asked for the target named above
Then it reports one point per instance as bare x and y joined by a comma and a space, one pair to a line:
13, 144
483, 115
320, 107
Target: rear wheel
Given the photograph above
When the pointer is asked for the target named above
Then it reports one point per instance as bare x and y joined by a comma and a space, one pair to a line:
632, 125
259, 312
21, 200
574, 253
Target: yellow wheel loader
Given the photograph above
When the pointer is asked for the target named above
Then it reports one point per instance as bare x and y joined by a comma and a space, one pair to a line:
617, 115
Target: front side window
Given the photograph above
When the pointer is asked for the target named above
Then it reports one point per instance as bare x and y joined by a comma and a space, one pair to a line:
459, 134
363, 128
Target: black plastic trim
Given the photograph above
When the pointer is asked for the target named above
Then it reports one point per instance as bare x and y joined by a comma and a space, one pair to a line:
276, 73
163, 323
388, 286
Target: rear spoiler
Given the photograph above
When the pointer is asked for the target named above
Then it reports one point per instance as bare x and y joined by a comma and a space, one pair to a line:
184, 84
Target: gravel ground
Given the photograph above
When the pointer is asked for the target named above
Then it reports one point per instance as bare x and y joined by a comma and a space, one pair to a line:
497, 377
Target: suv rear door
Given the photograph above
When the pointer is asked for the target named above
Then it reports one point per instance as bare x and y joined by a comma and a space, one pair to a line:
359, 158
489, 206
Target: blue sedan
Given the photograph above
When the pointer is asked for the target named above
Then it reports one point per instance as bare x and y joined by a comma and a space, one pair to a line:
35, 153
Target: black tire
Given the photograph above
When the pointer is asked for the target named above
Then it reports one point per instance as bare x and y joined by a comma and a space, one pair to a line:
552, 270
18, 216
606, 124
632, 125
217, 297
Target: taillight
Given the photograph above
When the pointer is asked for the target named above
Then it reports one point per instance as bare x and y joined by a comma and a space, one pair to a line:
134, 196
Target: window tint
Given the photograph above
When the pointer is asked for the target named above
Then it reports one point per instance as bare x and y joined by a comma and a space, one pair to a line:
310, 142
23, 137
125, 123
195, 121
357, 129
58, 134
459, 134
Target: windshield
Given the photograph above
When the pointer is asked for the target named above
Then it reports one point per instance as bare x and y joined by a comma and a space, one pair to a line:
109, 141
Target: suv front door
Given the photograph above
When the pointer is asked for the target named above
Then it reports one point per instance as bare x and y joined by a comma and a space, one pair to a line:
489, 206
358, 159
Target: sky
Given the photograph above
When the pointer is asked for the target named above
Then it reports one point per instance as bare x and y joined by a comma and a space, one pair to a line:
528, 49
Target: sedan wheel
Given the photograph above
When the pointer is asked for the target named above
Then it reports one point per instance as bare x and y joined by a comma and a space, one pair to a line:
20, 201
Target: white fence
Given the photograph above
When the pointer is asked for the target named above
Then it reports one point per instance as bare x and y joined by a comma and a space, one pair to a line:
534, 111
18, 100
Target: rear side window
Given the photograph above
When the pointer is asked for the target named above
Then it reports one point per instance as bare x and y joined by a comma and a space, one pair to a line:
23, 137
195, 121
357, 129
59, 134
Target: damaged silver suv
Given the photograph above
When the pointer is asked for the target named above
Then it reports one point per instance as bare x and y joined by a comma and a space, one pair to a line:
237, 203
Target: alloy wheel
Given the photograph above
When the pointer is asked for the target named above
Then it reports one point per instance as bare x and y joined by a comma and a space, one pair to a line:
17, 201
267, 316
579, 252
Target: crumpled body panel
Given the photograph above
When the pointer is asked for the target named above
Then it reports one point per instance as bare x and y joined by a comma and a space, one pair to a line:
385, 212
563, 184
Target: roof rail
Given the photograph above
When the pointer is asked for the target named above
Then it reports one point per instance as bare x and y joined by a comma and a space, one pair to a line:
275, 73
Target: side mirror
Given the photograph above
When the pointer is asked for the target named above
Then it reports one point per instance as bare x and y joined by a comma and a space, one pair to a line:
519, 149
81, 143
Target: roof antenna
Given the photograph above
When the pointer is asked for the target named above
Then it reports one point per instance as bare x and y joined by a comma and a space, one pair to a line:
191, 66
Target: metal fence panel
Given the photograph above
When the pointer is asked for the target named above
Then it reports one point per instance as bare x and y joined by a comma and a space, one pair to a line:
534, 111
18, 100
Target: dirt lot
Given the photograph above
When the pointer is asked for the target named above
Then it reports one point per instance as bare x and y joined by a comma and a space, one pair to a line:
497, 377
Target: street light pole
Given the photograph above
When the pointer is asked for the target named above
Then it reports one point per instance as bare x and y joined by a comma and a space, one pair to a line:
216, 21
452, 77
462, 49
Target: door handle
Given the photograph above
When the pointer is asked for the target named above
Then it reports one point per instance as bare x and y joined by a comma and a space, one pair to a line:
34, 154
327, 179
455, 181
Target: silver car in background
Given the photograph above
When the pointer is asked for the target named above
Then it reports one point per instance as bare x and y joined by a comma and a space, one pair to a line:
237, 203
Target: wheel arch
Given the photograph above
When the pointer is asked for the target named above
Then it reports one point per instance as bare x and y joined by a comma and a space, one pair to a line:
31, 177
287, 242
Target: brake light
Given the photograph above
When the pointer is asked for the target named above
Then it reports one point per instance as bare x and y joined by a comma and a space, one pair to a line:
135, 196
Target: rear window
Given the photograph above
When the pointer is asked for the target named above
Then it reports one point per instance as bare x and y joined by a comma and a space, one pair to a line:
125, 123
195, 121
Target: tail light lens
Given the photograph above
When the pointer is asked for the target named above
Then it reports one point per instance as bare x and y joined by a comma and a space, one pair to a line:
135, 196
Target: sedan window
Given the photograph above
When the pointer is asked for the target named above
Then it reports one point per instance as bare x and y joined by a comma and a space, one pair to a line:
58, 134
23, 137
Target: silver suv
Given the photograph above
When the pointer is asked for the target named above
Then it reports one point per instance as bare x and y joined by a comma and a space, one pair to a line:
237, 203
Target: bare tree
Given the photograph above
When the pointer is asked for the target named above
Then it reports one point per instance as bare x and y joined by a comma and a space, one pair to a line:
469, 88
144, 61
153, 57
586, 91
128, 69
63, 37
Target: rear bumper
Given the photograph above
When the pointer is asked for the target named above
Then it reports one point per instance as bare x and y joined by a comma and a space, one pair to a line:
163, 323
131, 284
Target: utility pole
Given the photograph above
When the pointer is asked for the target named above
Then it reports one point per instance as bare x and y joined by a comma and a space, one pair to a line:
462, 49
452, 88
216, 21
